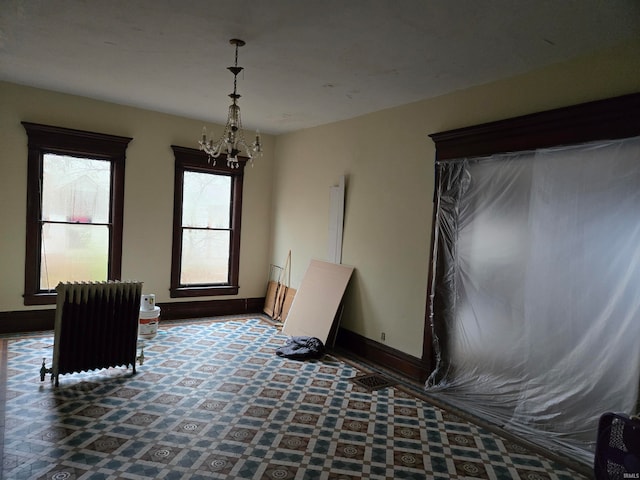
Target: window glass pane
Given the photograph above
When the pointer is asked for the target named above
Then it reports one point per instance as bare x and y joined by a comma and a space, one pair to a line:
205, 256
206, 200
73, 253
75, 189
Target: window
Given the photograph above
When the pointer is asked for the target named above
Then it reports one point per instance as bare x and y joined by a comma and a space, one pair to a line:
75, 196
206, 225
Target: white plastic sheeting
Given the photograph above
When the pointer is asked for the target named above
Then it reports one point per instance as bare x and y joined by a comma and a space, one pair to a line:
536, 289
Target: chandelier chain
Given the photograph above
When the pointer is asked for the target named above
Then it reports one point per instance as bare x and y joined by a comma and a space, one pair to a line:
235, 75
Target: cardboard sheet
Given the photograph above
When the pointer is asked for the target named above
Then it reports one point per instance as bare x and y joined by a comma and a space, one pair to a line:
317, 300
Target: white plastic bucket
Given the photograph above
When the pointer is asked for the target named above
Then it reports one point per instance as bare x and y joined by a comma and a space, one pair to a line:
148, 326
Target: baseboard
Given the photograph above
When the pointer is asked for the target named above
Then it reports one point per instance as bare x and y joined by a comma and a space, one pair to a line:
371, 351
210, 308
27, 320
383, 355
43, 319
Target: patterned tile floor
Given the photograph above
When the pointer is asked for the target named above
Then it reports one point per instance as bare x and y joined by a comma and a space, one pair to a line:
212, 400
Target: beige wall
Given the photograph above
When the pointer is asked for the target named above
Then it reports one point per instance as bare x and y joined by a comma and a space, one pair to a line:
148, 188
388, 159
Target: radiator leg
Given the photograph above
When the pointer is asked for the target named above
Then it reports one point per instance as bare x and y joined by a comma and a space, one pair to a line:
140, 358
44, 370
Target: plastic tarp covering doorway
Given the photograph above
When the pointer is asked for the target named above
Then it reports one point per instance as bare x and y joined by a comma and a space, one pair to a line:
535, 310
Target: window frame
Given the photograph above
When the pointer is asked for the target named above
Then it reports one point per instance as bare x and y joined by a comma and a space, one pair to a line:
45, 139
611, 118
190, 159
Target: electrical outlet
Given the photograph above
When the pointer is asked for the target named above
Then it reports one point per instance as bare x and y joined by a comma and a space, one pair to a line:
383, 336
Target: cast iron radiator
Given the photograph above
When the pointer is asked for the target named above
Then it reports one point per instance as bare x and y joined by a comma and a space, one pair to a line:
96, 327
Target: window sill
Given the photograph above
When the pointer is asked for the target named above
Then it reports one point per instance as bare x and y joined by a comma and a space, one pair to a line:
208, 291
45, 298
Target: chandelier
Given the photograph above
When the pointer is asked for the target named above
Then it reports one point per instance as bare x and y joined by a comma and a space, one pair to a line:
232, 140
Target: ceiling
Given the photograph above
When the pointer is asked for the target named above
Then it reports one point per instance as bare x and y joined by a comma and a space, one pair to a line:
306, 63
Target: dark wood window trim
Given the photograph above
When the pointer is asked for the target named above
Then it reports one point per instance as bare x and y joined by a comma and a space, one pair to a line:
44, 139
609, 119
190, 159
613, 118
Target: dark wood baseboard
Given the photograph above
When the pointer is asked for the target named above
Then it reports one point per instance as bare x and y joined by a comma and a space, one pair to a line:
210, 308
27, 320
40, 320
371, 351
383, 355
